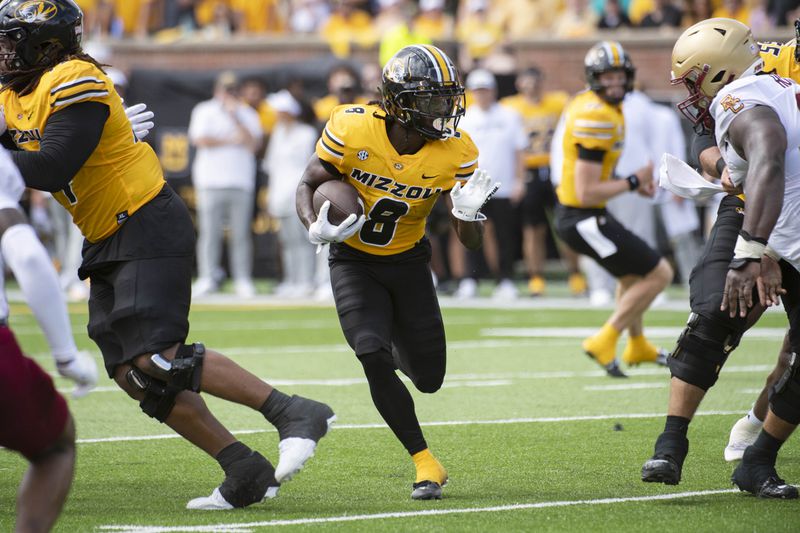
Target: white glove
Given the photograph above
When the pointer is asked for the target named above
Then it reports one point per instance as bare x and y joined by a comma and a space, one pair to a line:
323, 232
141, 120
468, 200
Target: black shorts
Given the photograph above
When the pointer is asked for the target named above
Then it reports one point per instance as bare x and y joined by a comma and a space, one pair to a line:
594, 232
539, 198
707, 280
141, 277
389, 303
791, 302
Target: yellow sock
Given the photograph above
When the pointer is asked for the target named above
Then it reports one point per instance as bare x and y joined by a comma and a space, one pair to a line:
639, 350
429, 468
603, 344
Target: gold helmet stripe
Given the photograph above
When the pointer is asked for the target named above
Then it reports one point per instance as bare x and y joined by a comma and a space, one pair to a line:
445, 67
616, 53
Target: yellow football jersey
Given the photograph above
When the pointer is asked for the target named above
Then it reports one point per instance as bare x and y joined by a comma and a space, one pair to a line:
540, 122
119, 177
398, 191
593, 123
779, 58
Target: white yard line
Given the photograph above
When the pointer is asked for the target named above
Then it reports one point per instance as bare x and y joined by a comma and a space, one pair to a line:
427, 424
232, 527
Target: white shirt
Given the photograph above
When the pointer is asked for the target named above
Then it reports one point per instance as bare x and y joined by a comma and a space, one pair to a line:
778, 94
290, 146
228, 166
11, 189
499, 135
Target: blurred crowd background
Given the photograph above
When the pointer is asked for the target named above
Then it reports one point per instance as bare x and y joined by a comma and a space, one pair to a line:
242, 88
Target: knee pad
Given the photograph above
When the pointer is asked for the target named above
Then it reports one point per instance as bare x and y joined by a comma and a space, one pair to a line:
784, 395
702, 349
186, 370
159, 396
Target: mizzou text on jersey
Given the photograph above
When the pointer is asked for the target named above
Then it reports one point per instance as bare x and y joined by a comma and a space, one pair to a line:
398, 191
119, 177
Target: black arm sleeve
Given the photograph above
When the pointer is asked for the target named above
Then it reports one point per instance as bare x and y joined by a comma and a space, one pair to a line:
700, 143
591, 155
70, 136
8, 142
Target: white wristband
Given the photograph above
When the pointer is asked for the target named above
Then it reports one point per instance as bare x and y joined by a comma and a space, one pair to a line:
748, 249
770, 252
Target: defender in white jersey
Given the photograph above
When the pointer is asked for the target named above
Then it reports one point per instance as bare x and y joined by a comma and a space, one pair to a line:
31, 265
756, 119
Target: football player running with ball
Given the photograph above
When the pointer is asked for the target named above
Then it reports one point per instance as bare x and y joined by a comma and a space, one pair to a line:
401, 156
72, 138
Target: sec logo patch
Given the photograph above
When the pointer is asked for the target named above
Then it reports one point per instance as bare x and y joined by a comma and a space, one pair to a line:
362, 155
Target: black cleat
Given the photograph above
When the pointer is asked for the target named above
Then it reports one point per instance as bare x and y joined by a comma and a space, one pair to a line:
661, 470
301, 425
613, 369
666, 464
756, 474
427, 490
247, 481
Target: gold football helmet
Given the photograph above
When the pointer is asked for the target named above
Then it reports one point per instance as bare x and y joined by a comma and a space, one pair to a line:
708, 56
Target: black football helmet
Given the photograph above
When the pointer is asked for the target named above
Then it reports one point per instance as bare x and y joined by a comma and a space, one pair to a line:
607, 56
38, 32
421, 90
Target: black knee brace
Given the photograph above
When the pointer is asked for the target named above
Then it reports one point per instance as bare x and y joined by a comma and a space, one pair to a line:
784, 395
185, 371
159, 396
702, 349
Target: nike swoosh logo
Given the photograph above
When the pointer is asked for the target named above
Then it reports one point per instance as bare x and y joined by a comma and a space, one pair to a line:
429, 177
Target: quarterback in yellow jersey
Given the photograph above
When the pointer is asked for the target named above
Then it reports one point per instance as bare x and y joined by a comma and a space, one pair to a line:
401, 156
594, 130
540, 112
71, 136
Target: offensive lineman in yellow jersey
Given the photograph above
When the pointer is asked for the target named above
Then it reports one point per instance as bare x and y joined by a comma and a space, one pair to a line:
98, 200
594, 130
401, 156
70, 136
540, 112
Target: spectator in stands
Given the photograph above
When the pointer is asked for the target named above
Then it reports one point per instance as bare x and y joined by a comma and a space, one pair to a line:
371, 79
91, 17
308, 16
433, 22
253, 92
501, 140
664, 14
394, 24
214, 18
733, 9
522, 18
297, 88
179, 14
540, 112
290, 146
256, 16
348, 25
226, 133
696, 11
760, 20
575, 21
477, 33
613, 16
128, 18
783, 12
342, 89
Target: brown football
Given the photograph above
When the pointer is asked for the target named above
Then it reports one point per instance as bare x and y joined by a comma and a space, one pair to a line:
344, 200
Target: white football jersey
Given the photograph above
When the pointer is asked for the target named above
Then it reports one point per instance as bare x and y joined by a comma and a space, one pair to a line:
779, 94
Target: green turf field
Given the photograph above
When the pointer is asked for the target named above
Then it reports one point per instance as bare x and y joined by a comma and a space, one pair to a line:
534, 436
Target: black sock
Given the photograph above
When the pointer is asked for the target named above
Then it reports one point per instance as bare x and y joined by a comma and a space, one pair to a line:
768, 443
677, 424
232, 453
274, 405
